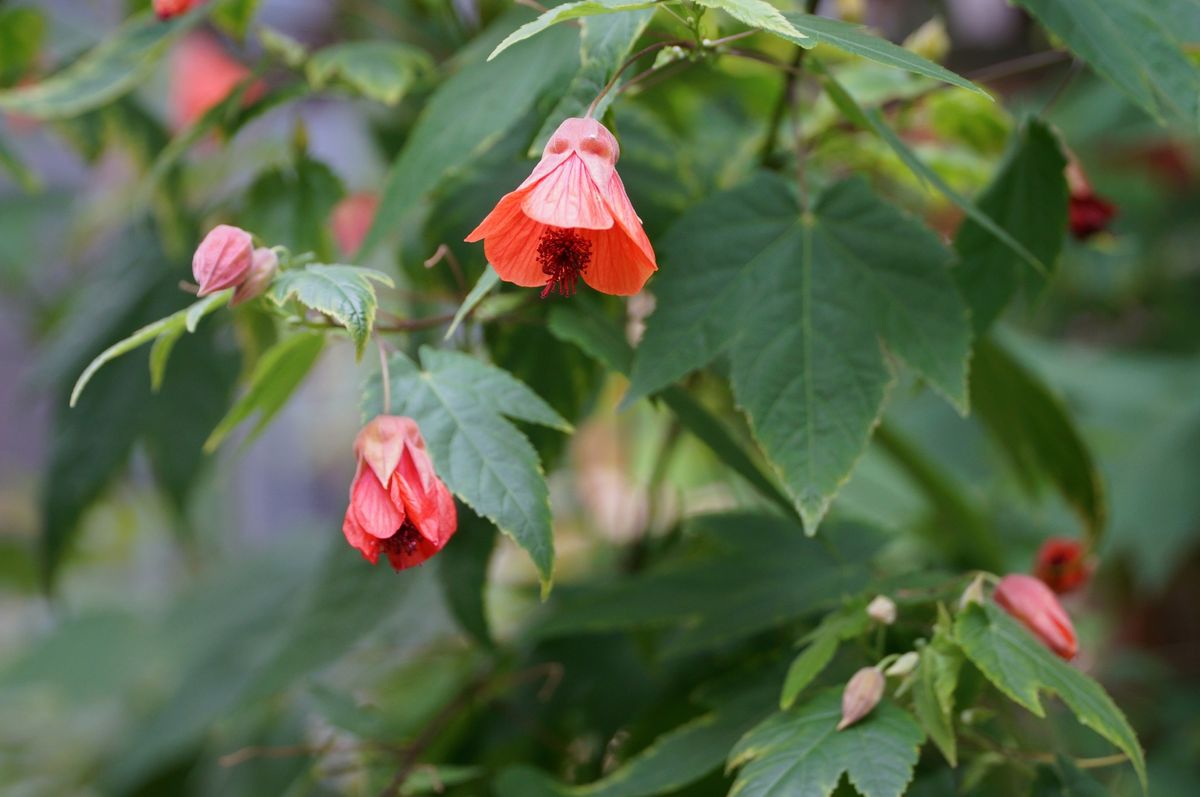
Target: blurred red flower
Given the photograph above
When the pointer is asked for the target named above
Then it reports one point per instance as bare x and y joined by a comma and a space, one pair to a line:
173, 8
570, 218
1062, 564
398, 505
1087, 213
202, 75
1031, 602
351, 220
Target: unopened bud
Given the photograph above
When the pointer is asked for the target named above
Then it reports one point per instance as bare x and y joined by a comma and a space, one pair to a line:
882, 609
263, 265
223, 259
863, 692
1037, 608
904, 665
929, 40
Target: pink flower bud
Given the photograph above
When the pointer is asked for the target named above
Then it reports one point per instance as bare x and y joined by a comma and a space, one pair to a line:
223, 259
263, 265
882, 610
173, 8
863, 692
1035, 605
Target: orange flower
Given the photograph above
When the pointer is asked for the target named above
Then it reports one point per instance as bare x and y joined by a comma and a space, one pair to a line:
570, 218
202, 75
398, 505
1035, 606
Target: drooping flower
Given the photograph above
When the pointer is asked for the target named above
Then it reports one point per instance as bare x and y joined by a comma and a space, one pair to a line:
351, 220
1087, 212
1062, 564
570, 219
165, 9
202, 75
1037, 608
398, 505
223, 259
263, 265
862, 693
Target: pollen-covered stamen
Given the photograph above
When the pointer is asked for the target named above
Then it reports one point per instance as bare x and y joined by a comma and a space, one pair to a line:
404, 540
563, 255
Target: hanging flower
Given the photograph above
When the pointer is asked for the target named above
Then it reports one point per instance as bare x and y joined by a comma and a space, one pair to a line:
223, 259
165, 9
1036, 607
398, 505
1062, 564
570, 219
1087, 213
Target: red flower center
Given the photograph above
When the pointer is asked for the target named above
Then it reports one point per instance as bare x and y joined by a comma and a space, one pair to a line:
404, 540
563, 255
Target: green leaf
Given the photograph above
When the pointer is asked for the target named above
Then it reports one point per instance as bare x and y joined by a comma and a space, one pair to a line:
604, 44
1028, 198
344, 293
1036, 432
875, 122
378, 70
235, 16
1129, 43
1065, 779
22, 31
276, 376
487, 281
462, 570
933, 691
291, 206
859, 41
461, 405
781, 576
799, 753
802, 303
113, 68
806, 667
282, 46
172, 325
760, 14
569, 11
465, 118
1021, 666
25, 177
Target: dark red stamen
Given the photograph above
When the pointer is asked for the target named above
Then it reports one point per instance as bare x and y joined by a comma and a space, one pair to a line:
563, 255
404, 540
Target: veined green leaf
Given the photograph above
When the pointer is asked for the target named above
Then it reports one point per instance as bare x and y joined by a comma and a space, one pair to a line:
487, 281
1021, 666
344, 293
380, 70
462, 406
114, 67
933, 691
806, 667
568, 11
760, 14
276, 376
171, 325
802, 302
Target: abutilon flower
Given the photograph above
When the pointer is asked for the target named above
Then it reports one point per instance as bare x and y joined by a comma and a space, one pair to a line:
263, 265
1062, 564
202, 75
1087, 213
1036, 607
398, 505
570, 219
351, 220
165, 9
862, 693
223, 259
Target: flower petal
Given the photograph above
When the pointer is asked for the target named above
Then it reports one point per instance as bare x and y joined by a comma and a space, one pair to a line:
512, 250
381, 442
400, 560
415, 486
367, 545
568, 198
618, 266
373, 508
627, 218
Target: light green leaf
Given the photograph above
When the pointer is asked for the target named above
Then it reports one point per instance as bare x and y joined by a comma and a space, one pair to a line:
799, 753
465, 118
933, 691
235, 16
568, 11
22, 31
171, 325
160, 353
802, 303
806, 667
760, 14
379, 70
461, 405
1036, 432
276, 376
344, 293
1021, 666
282, 46
113, 68
1028, 198
858, 40
604, 44
1129, 42
487, 281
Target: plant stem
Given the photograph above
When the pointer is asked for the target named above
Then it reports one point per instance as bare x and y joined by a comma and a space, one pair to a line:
385, 377
787, 96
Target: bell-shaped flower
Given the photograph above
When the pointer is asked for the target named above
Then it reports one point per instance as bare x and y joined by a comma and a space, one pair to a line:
223, 259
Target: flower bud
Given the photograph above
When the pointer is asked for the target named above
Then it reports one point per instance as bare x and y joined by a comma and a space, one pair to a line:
904, 665
882, 609
223, 259
165, 9
263, 265
1062, 564
861, 695
1036, 607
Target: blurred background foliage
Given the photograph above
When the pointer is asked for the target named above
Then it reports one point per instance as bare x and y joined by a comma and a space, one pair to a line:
210, 633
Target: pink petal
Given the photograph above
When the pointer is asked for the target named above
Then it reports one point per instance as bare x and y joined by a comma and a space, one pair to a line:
374, 510
568, 198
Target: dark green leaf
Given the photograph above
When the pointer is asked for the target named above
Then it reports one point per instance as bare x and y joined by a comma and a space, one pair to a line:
235, 16
487, 282
291, 206
21, 33
462, 570
802, 302
378, 70
799, 753
344, 293
806, 667
933, 691
1021, 666
1028, 198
